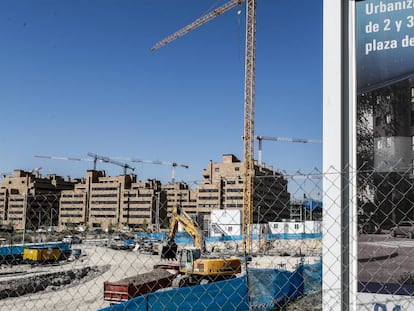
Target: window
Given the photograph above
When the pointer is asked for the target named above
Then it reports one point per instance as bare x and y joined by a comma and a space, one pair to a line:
216, 169
237, 169
412, 167
388, 142
412, 94
229, 229
388, 118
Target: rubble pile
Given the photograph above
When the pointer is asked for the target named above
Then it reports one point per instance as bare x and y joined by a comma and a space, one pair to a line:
49, 281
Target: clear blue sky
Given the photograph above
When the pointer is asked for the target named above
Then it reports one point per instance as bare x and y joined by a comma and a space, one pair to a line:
78, 76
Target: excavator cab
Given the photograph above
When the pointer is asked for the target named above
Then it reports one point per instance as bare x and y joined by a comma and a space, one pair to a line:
187, 257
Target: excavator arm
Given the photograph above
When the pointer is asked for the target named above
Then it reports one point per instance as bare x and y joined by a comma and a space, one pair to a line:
189, 225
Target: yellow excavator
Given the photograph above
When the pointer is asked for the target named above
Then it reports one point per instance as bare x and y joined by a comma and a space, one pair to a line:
195, 266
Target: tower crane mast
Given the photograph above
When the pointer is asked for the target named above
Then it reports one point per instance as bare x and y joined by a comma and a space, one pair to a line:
249, 96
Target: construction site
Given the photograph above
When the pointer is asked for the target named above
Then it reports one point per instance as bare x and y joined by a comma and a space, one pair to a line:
253, 246
101, 276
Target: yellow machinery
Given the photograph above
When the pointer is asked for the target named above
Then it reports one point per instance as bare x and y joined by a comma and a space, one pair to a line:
169, 251
41, 254
194, 266
196, 269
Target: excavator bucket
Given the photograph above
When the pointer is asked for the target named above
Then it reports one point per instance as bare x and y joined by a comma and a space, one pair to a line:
169, 251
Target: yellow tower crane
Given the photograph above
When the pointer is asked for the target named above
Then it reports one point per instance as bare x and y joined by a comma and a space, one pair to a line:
249, 94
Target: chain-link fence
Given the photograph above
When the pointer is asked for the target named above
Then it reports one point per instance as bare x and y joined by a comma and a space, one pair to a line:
69, 250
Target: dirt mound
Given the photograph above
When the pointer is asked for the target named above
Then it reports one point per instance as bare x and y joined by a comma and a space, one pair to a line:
49, 281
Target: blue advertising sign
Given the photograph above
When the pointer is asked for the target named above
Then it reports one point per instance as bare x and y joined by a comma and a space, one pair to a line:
385, 42
384, 152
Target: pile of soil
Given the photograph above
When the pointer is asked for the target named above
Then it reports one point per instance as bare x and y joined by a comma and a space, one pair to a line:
311, 302
49, 281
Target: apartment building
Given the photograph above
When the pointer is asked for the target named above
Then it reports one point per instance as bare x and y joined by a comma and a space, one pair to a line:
222, 188
30, 201
104, 202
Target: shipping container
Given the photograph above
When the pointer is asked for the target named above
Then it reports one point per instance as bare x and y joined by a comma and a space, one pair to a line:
41, 254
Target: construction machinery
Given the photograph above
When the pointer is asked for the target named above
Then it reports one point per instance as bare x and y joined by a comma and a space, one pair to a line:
249, 96
178, 216
195, 266
158, 162
109, 160
94, 157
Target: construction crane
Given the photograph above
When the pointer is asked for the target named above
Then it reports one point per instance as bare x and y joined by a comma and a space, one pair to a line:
172, 164
95, 159
65, 158
283, 139
249, 94
109, 160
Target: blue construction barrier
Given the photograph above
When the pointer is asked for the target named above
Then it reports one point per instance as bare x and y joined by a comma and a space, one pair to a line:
259, 289
185, 238
294, 236
272, 287
312, 277
152, 236
224, 295
16, 250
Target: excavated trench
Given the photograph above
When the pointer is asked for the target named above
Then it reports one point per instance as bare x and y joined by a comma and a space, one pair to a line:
49, 281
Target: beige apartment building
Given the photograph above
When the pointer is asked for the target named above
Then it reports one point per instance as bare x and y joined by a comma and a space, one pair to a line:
222, 188
105, 202
30, 201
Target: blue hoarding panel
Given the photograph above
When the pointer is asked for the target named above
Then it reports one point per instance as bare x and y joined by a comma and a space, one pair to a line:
385, 43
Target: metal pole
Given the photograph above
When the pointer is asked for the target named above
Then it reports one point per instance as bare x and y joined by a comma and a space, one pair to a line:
157, 212
24, 215
39, 221
258, 226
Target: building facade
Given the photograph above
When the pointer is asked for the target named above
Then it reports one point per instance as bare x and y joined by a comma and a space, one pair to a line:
222, 188
30, 201
105, 202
